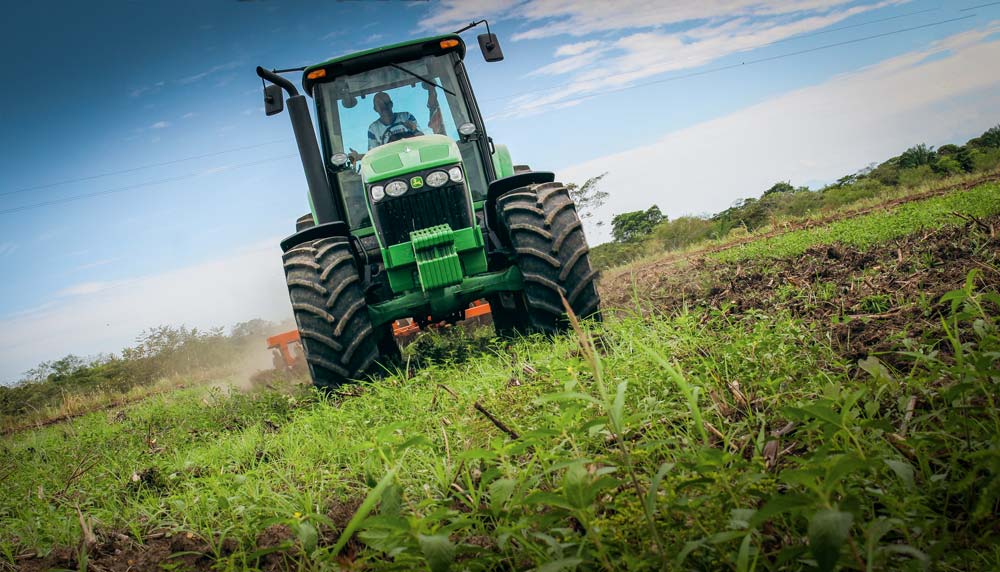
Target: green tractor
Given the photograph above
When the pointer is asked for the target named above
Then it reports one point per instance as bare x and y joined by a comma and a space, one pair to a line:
416, 212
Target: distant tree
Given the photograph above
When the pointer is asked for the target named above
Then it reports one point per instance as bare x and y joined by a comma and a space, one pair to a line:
627, 227
947, 165
991, 138
780, 187
588, 197
965, 159
65, 367
949, 149
251, 328
916, 156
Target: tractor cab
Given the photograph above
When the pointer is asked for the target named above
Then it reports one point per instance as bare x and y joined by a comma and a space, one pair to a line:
391, 116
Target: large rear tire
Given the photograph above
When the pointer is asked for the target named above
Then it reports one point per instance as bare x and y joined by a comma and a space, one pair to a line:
552, 254
324, 286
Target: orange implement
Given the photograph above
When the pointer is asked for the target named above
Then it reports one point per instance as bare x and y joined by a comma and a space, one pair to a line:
280, 342
401, 328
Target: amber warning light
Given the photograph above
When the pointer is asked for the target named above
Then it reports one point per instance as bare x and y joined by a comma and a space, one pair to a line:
316, 73
445, 44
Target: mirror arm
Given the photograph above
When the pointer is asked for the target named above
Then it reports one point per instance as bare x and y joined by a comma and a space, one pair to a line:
278, 80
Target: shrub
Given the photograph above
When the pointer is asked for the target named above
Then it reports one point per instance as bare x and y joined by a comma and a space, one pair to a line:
682, 232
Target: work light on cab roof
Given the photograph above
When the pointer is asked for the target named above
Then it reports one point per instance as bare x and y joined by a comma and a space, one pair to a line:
417, 217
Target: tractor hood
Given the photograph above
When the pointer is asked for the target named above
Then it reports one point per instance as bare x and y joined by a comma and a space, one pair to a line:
408, 155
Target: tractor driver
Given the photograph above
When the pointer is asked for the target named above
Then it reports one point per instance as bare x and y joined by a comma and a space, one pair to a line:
389, 126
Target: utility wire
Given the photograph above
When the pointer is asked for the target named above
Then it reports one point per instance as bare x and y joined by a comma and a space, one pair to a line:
745, 63
136, 186
980, 6
138, 168
849, 27
761, 46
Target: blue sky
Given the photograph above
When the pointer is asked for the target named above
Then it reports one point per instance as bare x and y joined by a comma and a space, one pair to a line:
115, 87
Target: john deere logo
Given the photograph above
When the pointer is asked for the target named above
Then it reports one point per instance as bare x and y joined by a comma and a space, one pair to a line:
416, 182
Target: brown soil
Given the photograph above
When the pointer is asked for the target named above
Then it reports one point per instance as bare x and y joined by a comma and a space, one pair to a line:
120, 553
276, 546
868, 301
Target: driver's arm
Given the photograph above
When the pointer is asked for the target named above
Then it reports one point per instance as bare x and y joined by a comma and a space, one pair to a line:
411, 124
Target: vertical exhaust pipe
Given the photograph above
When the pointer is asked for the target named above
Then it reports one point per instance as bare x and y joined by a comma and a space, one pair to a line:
327, 209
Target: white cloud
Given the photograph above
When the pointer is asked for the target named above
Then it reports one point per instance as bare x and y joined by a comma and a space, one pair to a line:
7, 248
191, 114
569, 64
575, 18
160, 125
86, 288
96, 264
576, 48
935, 95
644, 52
95, 317
210, 71
453, 14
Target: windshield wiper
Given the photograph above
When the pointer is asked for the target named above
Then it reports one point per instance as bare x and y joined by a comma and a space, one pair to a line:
423, 79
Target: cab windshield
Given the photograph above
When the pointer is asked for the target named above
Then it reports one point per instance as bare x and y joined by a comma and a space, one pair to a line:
362, 111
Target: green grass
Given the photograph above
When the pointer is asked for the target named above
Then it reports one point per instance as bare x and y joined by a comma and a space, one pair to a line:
650, 448
880, 227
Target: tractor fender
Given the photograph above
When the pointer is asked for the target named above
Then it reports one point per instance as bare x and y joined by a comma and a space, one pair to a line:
502, 186
325, 230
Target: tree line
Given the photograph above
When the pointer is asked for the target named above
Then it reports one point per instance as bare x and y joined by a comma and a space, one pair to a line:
644, 232
158, 353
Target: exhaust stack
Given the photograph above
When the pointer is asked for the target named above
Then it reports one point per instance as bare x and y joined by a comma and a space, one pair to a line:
327, 210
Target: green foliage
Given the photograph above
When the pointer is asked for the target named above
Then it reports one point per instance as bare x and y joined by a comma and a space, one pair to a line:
683, 231
159, 352
615, 253
985, 159
780, 187
917, 156
877, 227
615, 467
991, 138
631, 226
916, 167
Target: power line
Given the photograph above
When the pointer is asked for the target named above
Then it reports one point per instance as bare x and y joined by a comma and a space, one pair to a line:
133, 187
757, 47
747, 62
858, 25
980, 6
138, 168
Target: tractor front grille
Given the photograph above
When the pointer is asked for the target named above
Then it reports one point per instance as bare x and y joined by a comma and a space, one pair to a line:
397, 217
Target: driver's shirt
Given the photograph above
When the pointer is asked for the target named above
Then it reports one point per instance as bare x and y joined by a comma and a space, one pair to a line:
377, 130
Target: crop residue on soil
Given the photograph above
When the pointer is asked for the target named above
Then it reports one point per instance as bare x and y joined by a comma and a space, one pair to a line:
868, 300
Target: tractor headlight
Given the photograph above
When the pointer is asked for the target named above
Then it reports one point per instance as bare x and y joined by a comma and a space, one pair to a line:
436, 178
467, 128
338, 159
378, 193
455, 174
396, 188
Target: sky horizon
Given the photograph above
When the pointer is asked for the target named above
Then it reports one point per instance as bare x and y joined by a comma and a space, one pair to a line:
143, 184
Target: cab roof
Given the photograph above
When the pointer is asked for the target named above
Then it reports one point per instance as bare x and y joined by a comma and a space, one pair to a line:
379, 57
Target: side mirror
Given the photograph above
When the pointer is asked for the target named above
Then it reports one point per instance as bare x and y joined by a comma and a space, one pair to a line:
490, 47
273, 103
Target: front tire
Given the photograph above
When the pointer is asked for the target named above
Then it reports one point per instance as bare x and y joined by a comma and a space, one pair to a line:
552, 254
337, 337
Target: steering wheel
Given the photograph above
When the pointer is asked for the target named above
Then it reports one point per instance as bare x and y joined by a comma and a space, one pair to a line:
396, 136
